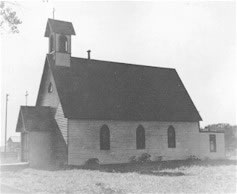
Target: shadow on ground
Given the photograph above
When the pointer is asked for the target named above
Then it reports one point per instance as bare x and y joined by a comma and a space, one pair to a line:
163, 173
151, 168
154, 168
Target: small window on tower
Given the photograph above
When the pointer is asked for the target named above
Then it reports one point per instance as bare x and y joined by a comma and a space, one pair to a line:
51, 46
50, 88
63, 43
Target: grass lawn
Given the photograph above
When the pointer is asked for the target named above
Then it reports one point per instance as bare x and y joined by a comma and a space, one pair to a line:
199, 177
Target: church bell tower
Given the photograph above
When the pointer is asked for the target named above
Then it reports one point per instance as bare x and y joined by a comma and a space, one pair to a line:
59, 34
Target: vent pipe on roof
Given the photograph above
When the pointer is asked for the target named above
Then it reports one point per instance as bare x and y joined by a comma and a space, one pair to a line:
89, 54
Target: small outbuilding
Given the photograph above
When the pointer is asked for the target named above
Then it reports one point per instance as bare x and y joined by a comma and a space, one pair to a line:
39, 137
14, 144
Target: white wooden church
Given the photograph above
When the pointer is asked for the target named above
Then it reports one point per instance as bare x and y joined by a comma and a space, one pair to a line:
89, 108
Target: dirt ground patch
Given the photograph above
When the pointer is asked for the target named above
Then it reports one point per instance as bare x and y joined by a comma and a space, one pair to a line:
194, 178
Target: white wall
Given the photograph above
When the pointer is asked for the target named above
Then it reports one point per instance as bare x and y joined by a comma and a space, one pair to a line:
84, 141
46, 98
40, 148
52, 100
205, 146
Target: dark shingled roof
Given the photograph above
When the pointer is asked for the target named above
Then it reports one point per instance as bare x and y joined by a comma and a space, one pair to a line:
35, 118
102, 90
60, 27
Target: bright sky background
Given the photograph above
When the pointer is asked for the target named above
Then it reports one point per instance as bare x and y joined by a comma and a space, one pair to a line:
196, 38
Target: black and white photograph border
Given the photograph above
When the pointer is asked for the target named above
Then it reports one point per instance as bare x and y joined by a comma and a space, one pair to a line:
118, 97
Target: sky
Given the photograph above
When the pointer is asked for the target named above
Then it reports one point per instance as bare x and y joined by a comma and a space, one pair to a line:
197, 38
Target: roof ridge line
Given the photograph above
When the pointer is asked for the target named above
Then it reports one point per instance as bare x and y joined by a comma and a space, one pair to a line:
59, 20
123, 63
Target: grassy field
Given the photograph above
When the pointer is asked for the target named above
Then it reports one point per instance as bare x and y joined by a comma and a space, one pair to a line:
176, 177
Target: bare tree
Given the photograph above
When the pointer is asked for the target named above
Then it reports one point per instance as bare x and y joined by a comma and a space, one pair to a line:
8, 17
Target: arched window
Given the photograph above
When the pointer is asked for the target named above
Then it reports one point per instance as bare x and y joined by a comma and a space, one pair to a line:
63, 43
171, 137
104, 138
140, 137
51, 44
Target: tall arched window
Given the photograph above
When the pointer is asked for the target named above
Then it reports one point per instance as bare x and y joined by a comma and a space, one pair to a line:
104, 138
171, 137
140, 137
63, 44
51, 43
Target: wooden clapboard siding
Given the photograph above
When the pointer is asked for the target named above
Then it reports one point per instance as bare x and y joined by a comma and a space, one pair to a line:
46, 98
205, 145
52, 100
84, 141
24, 147
62, 122
59, 139
40, 146
59, 147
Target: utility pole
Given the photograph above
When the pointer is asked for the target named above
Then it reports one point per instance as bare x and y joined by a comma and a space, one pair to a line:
5, 149
53, 12
26, 95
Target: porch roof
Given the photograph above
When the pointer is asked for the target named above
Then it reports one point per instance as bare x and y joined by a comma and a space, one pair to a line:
35, 118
